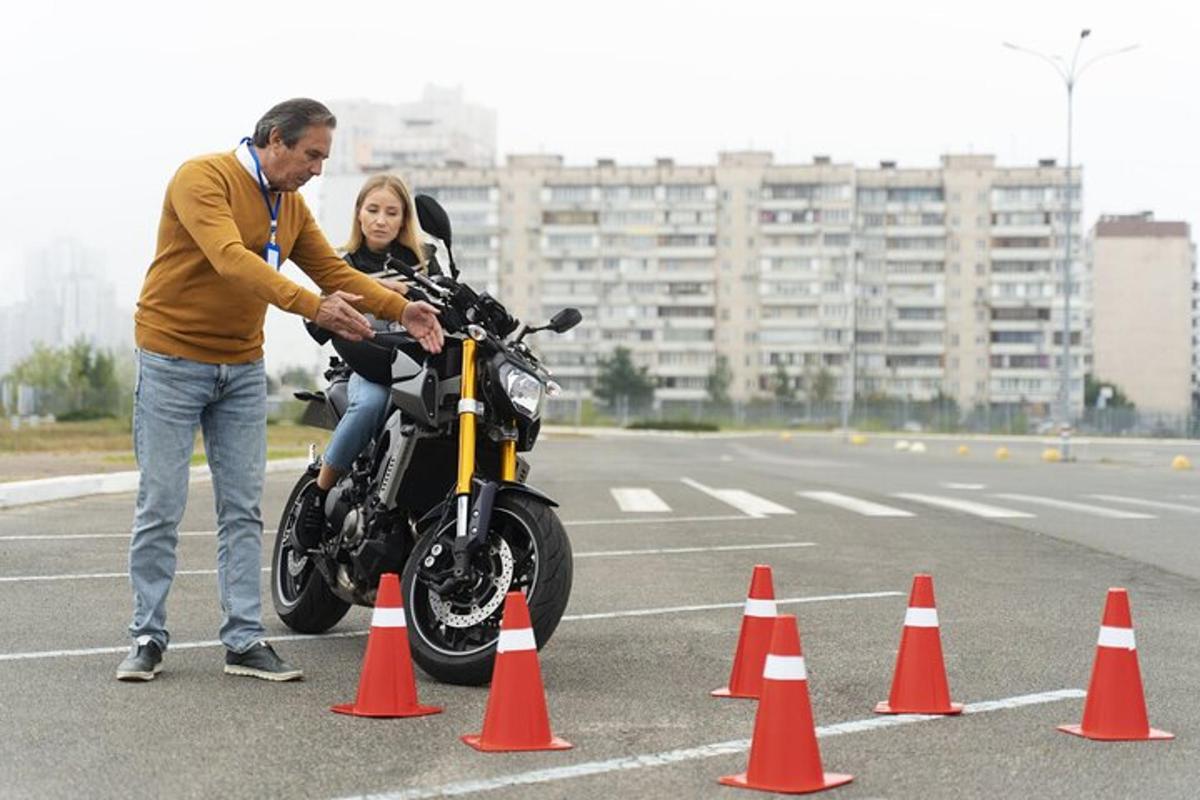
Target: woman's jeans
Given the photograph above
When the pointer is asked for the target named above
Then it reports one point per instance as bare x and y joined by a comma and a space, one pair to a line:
364, 416
228, 402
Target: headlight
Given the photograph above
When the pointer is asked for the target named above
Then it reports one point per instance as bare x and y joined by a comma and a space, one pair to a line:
523, 389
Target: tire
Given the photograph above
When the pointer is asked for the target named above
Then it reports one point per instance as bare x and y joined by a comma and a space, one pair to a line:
547, 593
306, 604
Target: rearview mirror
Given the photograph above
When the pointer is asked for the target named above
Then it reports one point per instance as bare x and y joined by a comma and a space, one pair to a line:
564, 320
433, 218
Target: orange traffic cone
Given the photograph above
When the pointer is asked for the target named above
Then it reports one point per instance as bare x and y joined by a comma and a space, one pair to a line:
1115, 708
516, 717
784, 756
758, 621
386, 687
919, 684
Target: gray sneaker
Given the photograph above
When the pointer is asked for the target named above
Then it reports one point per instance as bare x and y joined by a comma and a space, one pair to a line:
142, 664
260, 661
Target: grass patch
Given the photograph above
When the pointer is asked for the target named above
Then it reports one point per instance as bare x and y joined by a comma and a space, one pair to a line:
112, 436
673, 425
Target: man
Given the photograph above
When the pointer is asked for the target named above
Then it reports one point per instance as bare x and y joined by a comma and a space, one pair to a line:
228, 222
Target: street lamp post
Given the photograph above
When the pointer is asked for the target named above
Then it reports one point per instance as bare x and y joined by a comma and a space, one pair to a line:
1070, 75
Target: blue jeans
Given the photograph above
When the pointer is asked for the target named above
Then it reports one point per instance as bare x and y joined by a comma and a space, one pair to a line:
365, 415
173, 397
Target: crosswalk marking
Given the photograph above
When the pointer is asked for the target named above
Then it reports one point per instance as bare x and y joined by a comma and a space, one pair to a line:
1134, 501
965, 506
639, 500
749, 504
1067, 505
864, 507
970, 487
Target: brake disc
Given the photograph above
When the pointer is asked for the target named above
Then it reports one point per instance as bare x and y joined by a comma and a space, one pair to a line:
442, 610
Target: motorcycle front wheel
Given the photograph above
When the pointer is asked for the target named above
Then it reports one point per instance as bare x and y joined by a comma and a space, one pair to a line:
453, 638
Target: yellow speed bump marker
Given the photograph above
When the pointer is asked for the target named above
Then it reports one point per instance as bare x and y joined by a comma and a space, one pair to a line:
1001, 453
787, 437
1051, 455
1181, 463
963, 450
858, 439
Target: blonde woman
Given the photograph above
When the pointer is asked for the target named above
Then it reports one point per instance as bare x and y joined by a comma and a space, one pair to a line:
384, 224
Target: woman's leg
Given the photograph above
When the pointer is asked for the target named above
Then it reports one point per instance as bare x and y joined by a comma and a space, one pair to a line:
364, 415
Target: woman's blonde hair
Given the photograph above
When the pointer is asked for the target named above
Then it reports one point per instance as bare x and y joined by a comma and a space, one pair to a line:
410, 229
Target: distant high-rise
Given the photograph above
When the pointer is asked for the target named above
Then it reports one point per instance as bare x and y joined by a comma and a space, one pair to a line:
438, 130
67, 297
938, 281
1143, 274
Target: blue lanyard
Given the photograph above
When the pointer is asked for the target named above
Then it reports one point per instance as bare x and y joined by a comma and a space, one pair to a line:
273, 211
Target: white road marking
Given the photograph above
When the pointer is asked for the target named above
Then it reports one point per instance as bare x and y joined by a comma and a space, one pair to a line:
66, 537
970, 487
575, 523
1067, 505
725, 548
653, 551
639, 500
965, 506
864, 507
1133, 501
643, 760
302, 637
749, 504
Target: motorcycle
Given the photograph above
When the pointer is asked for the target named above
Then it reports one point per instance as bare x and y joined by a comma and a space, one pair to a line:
440, 494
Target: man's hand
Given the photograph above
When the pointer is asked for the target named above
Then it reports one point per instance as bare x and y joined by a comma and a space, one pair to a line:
421, 321
338, 315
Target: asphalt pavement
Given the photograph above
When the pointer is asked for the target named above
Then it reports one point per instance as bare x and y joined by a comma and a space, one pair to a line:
1022, 553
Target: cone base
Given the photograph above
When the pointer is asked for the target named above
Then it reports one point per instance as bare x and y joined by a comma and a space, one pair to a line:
725, 691
885, 708
476, 740
1154, 735
414, 711
831, 779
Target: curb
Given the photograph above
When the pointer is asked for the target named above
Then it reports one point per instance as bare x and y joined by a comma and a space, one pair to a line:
66, 487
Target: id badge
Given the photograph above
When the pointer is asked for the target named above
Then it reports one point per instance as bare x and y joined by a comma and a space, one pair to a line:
272, 255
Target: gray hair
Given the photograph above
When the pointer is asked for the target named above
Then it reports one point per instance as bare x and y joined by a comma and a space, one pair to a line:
291, 117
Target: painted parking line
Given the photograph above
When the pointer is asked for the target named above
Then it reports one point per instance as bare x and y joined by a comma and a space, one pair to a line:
666, 758
70, 537
639, 500
304, 637
1135, 501
652, 551
749, 504
968, 487
858, 506
67, 537
965, 506
1082, 508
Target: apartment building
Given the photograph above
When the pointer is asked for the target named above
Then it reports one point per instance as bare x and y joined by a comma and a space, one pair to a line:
1143, 273
907, 282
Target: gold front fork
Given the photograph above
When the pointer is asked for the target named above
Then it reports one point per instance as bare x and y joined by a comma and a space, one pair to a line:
466, 420
508, 460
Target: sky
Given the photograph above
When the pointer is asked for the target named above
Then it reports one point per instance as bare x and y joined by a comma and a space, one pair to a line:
105, 100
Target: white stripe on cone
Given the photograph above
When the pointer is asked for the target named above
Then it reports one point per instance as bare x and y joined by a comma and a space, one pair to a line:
785, 668
1121, 638
760, 608
920, 618
388, 618
514, 641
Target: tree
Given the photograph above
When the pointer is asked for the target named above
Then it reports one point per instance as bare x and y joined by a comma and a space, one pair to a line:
619, 378
821, 389
781, 383
297, 377
718, 381
76, 382
1091, 393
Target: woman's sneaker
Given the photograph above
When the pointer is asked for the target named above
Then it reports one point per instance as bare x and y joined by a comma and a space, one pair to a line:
142, 664
260, 661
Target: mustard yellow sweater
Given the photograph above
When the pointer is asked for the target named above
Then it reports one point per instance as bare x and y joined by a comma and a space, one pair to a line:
206, 293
